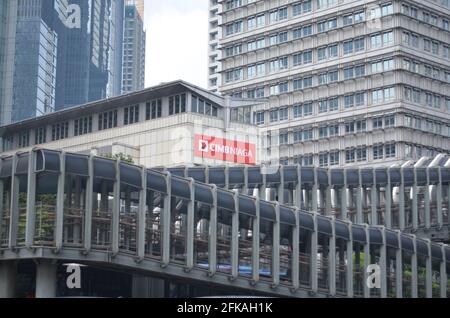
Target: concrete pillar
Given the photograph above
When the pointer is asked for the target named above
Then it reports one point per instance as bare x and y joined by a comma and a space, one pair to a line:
46, 279
7, 279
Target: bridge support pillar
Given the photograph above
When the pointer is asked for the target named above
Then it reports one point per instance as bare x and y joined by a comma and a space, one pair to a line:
45, 279
7, 279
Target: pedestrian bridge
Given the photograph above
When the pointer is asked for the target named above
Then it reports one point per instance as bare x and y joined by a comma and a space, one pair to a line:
71, 207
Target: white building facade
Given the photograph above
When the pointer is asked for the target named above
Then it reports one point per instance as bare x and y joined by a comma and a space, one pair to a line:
214, 54
346, 82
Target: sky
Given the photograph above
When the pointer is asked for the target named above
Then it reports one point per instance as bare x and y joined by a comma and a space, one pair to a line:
177, 41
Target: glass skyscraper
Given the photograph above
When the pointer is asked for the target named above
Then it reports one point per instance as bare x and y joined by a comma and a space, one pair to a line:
53, 64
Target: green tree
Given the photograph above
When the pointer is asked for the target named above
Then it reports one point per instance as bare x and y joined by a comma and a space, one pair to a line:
120, 156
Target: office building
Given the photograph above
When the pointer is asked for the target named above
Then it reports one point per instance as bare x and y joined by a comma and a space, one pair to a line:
346, 82
133, 70
214, 53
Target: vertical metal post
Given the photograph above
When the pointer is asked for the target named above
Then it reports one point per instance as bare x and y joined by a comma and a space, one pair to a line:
255, 243
414, 286
439, 199
427, 201
89, 206
190, 228
374, 199
31, 201
350, 262
332, 258
280, 188
235, 239
295, 277
344, 204
1, 200
14, 213
314, 250
315, 187
383, 264
429, 272
298, 189
116, 212
262, 187
443, 274
415, 212
359, 214
166, 220
142, 217
212, 246
60, 203
276, 248
402, 200
388, 198
399, 268
366, 262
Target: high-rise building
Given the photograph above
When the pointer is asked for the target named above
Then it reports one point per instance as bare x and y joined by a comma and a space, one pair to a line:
214, 53
58, 53
133, 67
345, 82
93, 54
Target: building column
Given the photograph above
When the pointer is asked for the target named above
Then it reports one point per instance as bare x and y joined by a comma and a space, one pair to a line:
7, 279
46, 279
399, 268
388, 203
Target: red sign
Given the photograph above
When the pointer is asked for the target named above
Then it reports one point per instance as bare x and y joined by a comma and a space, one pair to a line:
224, 150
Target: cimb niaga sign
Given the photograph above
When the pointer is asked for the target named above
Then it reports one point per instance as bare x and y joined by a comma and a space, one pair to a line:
224, 149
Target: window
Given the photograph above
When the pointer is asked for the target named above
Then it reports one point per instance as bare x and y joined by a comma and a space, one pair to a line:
296, 9
251, 23
297, 136
260, 20
283, 138
349, 127
260, 118
361, 154
107, 120
177, 105
323, 160
361, 126
307, 57
323, 132
389, 121
333, 104
334, 130
350, 155
348, 19
377, 67
233, 28
427, 45
334, 158
360, 70
360, 98
434, 48
377, 123
348, 47
283, 114
297, 83
274, 115
348, 72
308, 134
387, 9
349, 101
388, 38
307, 6
234, 75
297, 33
131, 115
83, 126
378, 152
307, 82
153, 109
24, 139
389, 93
323, 106
60, 131
40, 135
278, 15
307, 30
297, 59
297, 110
377, 96
375, 41
307, 109
390, 150
359, 44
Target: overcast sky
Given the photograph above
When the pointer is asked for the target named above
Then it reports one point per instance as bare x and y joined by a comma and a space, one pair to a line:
177, 35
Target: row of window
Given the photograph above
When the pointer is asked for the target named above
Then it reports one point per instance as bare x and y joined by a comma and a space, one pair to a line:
427, 44
426, 16
202, 107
